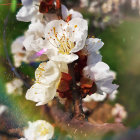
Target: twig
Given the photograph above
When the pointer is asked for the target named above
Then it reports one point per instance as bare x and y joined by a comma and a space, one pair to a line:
77, 99
6, 52
10, 134
82, 129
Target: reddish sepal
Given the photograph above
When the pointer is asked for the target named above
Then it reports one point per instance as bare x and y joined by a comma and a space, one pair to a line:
69, 18
88, 86
45, 6
64, 86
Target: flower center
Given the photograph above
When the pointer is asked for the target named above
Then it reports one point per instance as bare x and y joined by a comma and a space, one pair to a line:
43, 130
63, 42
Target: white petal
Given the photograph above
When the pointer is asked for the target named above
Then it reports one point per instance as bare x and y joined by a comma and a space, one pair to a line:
47, 73
62, 66
41, 93
95, 72
102, 76
87, 99
64, 12
34, 37
113, 95
75, 14
108, 87
27, 2
33, 44
26, 13
93, 45
17, 45
93, 58
63, 58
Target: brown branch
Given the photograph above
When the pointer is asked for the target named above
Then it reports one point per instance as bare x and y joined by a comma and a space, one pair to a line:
77, 96
82, 129
12, 133
99, 104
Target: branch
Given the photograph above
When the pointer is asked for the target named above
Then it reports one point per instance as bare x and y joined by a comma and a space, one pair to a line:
77, 98
82, 129
12, 133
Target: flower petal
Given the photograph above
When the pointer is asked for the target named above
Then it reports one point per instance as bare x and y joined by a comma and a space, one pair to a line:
26, 13
41, 93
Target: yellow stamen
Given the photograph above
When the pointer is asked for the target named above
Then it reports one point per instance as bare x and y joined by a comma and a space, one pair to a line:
65, 44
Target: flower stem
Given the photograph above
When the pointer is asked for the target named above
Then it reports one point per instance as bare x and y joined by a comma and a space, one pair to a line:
77, 98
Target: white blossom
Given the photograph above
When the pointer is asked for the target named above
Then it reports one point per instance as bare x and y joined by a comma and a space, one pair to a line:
47, 79
64, 39
92, 47
119, 113
14, 87
34, 37
28, 10
20, 54
17, 49
101, 97
73, 13
39, 130
3, 109
102, 76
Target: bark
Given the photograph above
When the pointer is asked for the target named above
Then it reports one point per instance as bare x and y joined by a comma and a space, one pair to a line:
82, 129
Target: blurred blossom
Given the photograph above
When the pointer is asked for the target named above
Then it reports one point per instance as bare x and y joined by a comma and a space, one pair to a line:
107, 7
84, 3
119, 113
3, 109
113, 95
93, 8
14, 87
39, 130
18, 51
134, 4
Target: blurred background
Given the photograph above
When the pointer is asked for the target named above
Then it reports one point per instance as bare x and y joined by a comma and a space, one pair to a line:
117, 24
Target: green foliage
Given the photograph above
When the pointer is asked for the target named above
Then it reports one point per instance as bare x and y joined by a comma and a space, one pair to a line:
13, 6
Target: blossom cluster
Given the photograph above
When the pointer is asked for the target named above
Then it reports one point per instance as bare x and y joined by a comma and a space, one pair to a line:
58, 41
69, 60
